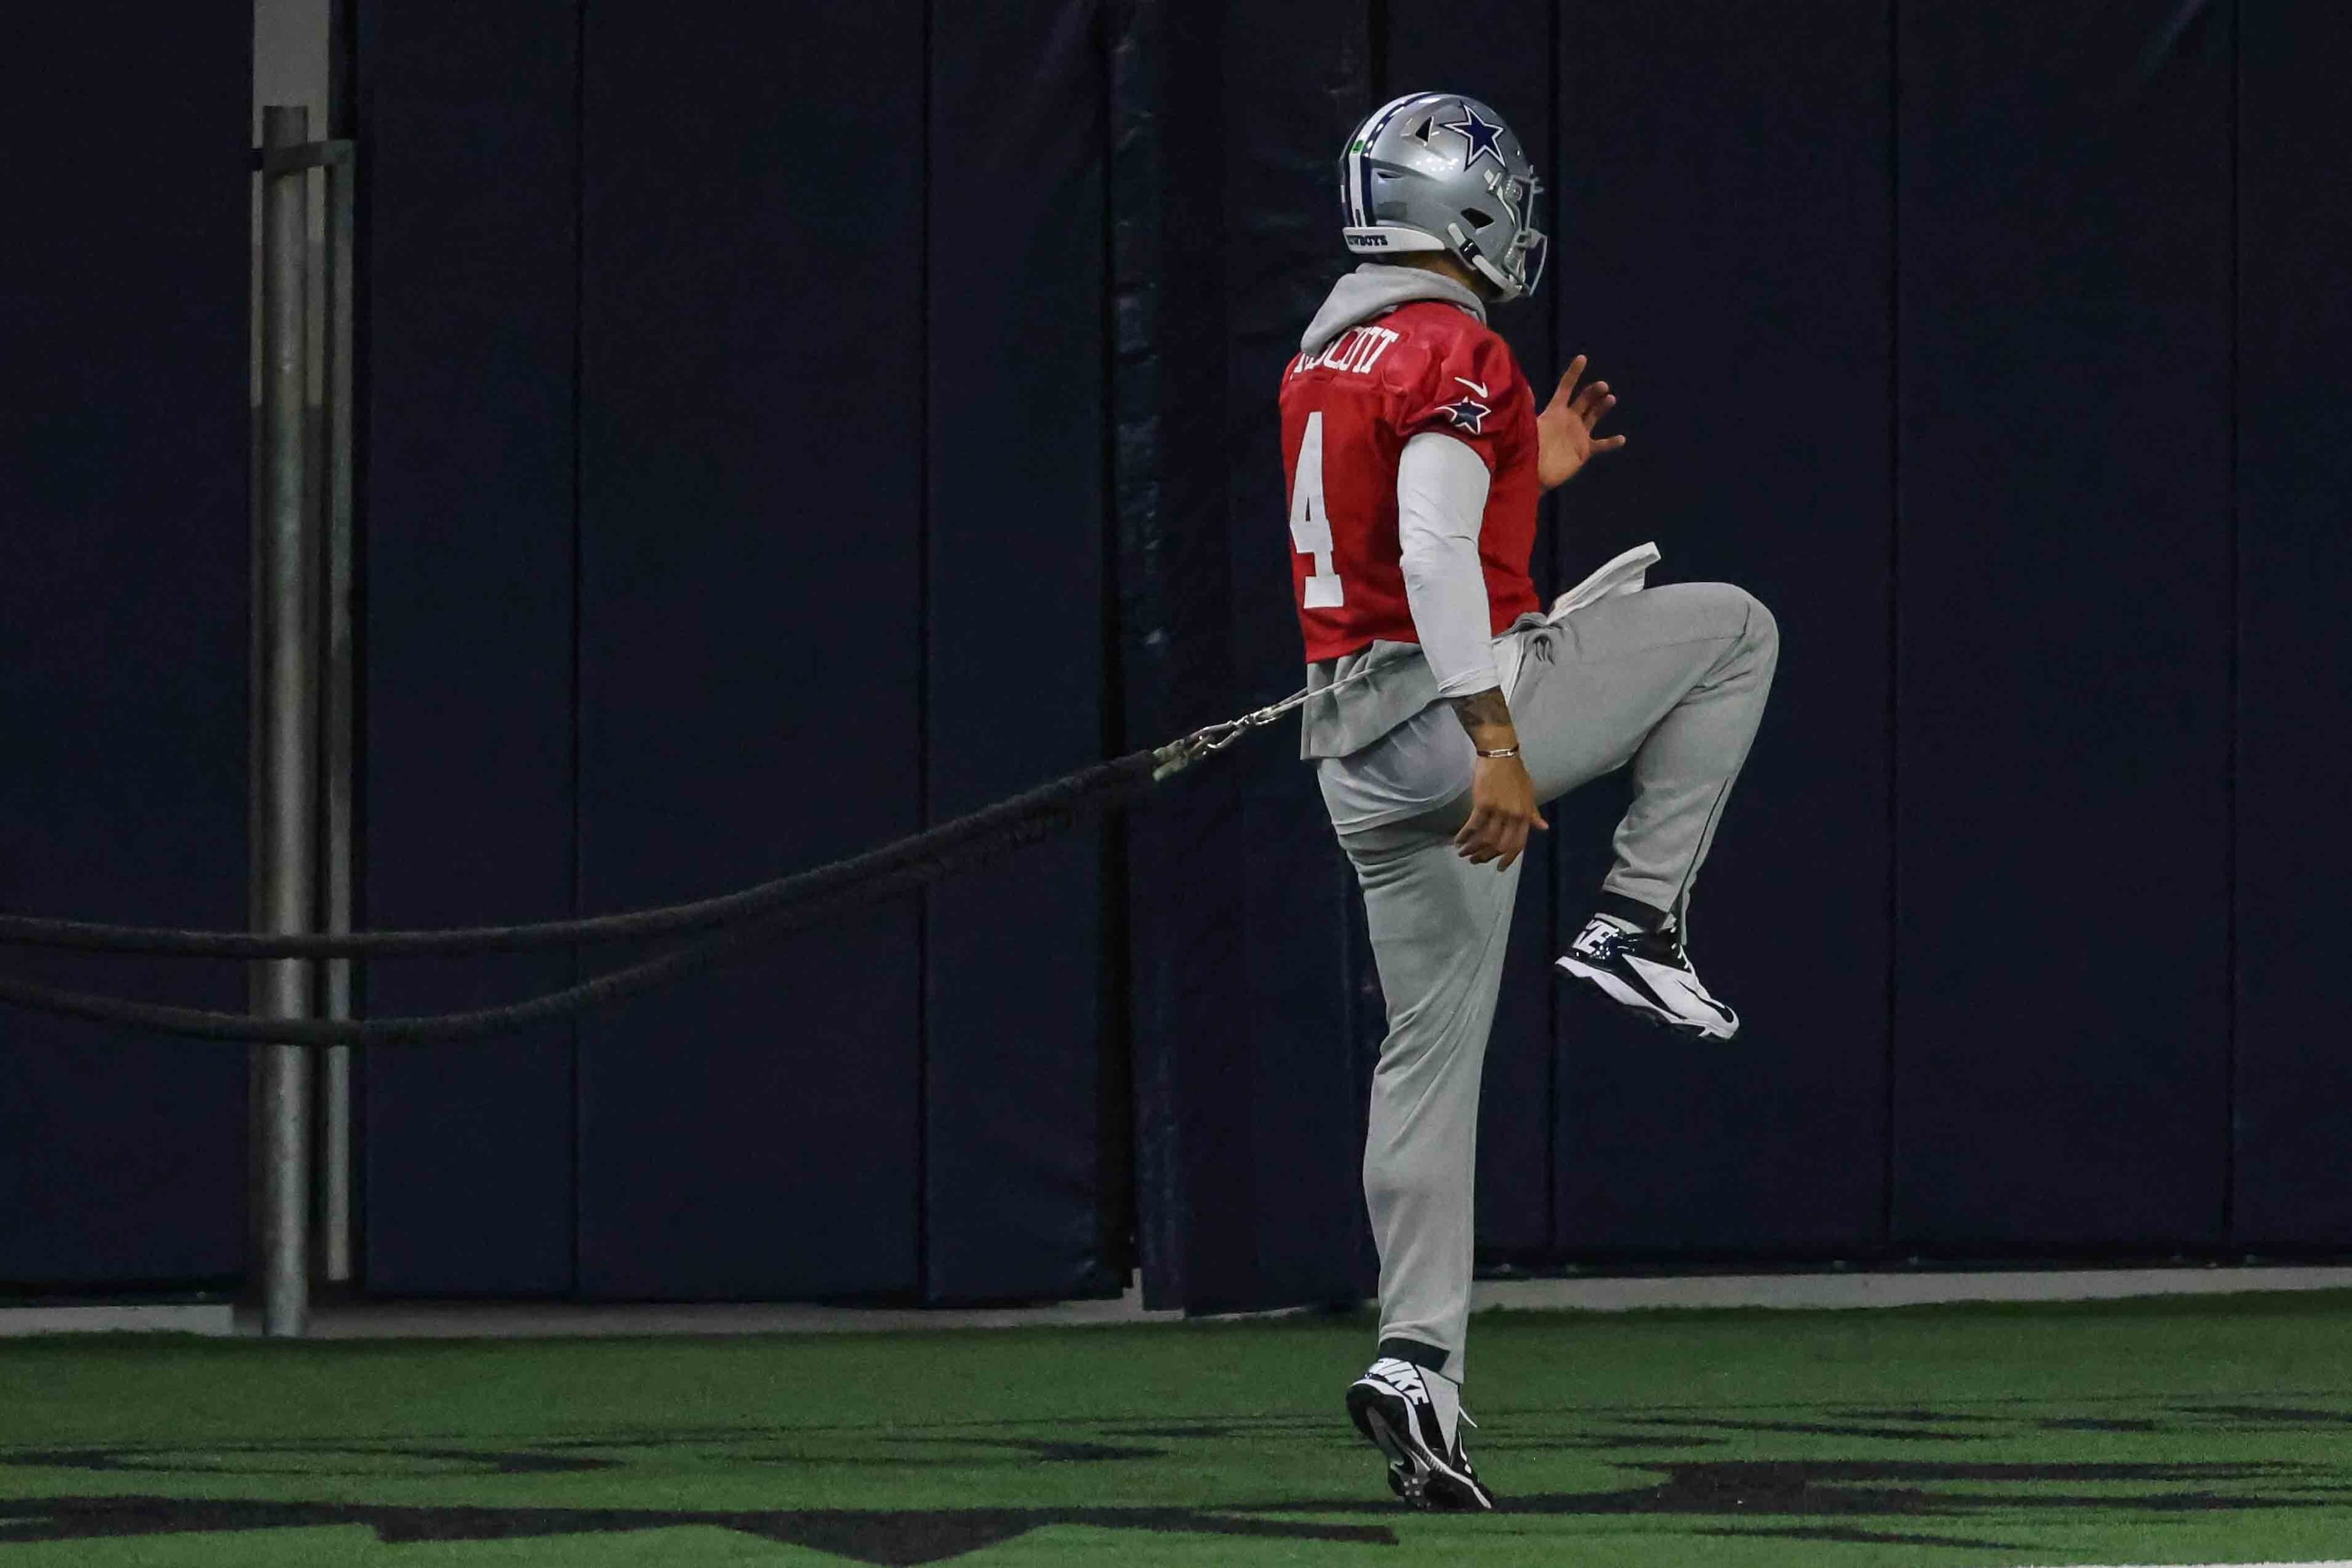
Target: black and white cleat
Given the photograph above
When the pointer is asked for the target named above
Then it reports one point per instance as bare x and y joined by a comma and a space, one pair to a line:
1392, 1406
1648, 973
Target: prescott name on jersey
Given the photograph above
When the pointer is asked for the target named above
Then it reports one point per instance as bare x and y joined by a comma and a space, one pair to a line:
1347, 411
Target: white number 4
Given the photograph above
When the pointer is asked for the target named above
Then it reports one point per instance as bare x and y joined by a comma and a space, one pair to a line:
1310, 525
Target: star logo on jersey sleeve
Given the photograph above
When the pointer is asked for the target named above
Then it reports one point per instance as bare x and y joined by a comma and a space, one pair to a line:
1467, 414
1486, 138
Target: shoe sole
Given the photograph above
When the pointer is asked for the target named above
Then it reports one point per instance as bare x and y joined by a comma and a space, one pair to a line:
1412, 1475
1641, 1006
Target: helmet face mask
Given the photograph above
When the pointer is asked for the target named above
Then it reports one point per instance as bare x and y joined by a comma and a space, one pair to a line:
1531, 247
1439, 172
1532, 258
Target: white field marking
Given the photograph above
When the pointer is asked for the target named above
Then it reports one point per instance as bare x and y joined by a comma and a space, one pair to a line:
129, 1318
1861, 1290
2330, 1562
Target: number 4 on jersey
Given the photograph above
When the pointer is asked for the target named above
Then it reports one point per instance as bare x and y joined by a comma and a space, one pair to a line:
1310, 525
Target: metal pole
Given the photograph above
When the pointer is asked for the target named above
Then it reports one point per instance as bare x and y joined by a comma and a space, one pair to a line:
286, 862
336, 1194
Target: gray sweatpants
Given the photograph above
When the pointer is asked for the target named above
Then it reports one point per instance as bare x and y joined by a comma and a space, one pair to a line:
1671, 679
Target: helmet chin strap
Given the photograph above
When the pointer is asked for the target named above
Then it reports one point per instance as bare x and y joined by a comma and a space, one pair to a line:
1509, 287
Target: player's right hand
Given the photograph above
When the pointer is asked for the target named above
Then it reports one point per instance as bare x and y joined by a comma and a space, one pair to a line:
1503, 812
1564, 437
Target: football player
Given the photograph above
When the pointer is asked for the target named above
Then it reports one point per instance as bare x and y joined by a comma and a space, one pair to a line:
1416, 458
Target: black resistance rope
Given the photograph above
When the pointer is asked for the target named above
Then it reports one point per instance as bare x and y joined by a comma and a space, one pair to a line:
899, 868
743, 920
1075, 791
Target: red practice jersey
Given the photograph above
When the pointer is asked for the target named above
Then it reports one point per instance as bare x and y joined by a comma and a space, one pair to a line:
1346, 414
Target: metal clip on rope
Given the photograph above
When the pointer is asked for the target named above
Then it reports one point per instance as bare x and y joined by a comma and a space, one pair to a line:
1207, 741
1177, 755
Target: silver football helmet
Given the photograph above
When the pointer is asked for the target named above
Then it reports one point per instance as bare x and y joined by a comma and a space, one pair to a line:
1436, 171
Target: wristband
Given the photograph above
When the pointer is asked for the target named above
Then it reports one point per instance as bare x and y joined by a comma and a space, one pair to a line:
1504, 751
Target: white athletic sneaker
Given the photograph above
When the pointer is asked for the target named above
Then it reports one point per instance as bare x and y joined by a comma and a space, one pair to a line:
1649, 973
1395, 1405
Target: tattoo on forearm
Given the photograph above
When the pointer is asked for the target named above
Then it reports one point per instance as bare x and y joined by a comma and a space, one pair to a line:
1480, 709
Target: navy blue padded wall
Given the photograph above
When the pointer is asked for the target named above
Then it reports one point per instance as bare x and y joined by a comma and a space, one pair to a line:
467, 116
123, 566
1484, 49
2294, 1084
1015, 629
752, 463
1167, 406
2064, 615
1293, 1112
1722, 209
1249, 1064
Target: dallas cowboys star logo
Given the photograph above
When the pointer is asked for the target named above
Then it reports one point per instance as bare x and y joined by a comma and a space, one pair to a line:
1486, 138
1467, 414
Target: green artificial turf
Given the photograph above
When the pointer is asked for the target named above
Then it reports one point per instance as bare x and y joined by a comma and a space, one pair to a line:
2190, 1431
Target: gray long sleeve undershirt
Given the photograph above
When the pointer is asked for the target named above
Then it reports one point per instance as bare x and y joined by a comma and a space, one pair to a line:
1441, 507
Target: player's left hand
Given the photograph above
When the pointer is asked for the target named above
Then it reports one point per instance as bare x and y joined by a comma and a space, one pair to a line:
1503, 812
1564, 437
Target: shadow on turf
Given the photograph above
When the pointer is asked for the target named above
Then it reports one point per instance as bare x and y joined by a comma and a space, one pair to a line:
897, 1539
1913, 1502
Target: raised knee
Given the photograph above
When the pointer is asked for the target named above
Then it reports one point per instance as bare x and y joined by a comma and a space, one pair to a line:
1731, 607
1762, 629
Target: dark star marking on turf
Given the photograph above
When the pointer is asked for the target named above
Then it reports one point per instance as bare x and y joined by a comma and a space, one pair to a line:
1860, 1537
1918, 1502
2099, 1423
966, 1453
1842, 1488
2256, 1417
1063, 1452
1818, 1429
221, 1459
1596, 1442
900, 1539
